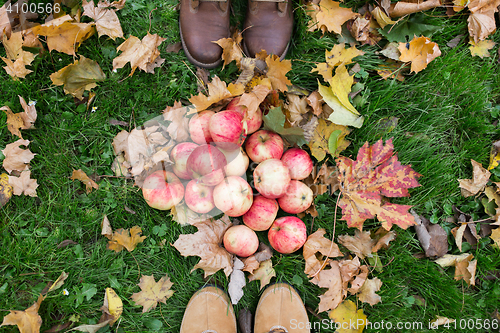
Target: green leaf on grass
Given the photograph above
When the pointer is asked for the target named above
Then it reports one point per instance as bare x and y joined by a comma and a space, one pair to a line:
404, 30
275, 121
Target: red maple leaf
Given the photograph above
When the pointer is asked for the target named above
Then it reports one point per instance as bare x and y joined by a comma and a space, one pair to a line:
366, 182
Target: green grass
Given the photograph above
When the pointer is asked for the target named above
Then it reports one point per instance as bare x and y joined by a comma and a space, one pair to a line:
444, 117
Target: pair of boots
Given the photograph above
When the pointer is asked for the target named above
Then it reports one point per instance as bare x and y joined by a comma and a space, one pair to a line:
268, 26
280, 310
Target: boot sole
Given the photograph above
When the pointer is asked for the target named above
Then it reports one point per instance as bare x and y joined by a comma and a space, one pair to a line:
193, 60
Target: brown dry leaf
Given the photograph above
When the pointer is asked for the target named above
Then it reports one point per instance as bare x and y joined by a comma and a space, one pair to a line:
65, 37
317, 243
178, 129
367, 293
315, 101
174, 48
82, 176
80, 76
458, 233
402, 8
217, 91
347, 314
360, 29
276, 72
23, 184
16, 69
231, 49
251, 264
17, 59
481, 25
264, 273
329, 16
141, 54
105, 18
14, 121
152, 292
495, 236
480, 49
206, 243
420, 52
6, 19
122, 238
382, 239
29, 114
296, 108
253, 99
464, 268
185, 216
360, 244
106, 229
16, 158
27, 321
480, 177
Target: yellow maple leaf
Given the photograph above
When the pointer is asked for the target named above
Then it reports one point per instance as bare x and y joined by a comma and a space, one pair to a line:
217, 91
142, 54
331, 16
123, 238
264, 273
105, 18
80, 76
14, 121
420, 52
276, 72
231, 49
152, 292
28, 321
346, 314
321, 136
338, 55
495, 236
481, 48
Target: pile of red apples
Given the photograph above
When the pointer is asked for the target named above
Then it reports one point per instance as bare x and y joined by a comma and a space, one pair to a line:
209, 173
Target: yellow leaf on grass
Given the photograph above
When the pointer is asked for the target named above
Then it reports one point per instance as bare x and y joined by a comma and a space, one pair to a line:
264, 273
382, 18
14, 121
331, 16
321, 136
82, 176
217, 91
142, 54
5, 189
338, 55
123, 238
66, 37
112, 307
347, 316
24, 184
481, 48
420, 52
16, 158
28, 321
152, 292
17, 59
480, 177
276, 72
495, 236
105, 18
465, 267
80, 76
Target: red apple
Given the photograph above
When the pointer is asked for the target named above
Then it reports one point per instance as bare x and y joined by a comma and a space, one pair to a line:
263, 145
233, 196
162, 190
226, 129
206, 164
254, 123
298, 197
241, 240
271, 178
198, 127
179, 156
287, 234
199, 198
237, 162
299, 162
262, 213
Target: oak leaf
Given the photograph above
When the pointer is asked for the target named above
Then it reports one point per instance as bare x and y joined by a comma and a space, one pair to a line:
264, 273
330, 16
153, 292
346, 314
82, 176
206, 243
23, 184
217, 91
367, 293
231, 49
480, 177
142, 54
316, 251
28, 321
80, 76
105, 18
480, 49
375, 173
123, 238
276, 72
420, 52
16, 158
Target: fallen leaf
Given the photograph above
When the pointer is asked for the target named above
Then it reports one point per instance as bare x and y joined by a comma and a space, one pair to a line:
185, 216
264, 252
112, 307
432, 237
440, 320
381, 17
82, 176
465, 269
329, 16
420, 52
250, 264
481, 24
231, 49
455, 41
319, 144
402, 8
337, 56
236, 282
459, 235
481, 48
296, 107
106, 229
480, 177
252, 100
14, 121
123, 238
29, 114
345, 315
360, 244
217, 91
17, 59
6, 19
152, 292
16, 158
367, 293
65, 243
80, 76
206, 243
495, 236
392, 70
58, 283
276, 72
337, 142
142, 54
375, 173
494, 154
27, 321
105, 18
264, 273
274, 121
92, 328
315, 101
174, 48
317, 243
178, 129
23, 184
5, 189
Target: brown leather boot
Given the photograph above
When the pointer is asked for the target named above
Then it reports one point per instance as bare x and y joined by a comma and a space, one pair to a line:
268, 26
202, 22
280, 309
209, 311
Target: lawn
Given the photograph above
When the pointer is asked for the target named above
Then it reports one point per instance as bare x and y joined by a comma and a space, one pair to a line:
447, 115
